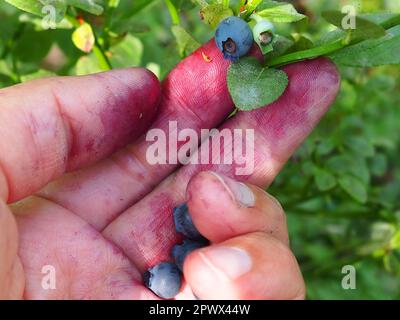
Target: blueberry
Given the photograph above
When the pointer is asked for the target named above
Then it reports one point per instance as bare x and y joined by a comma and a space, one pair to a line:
181, 251
263, 32
164, 280
234, 38
184, 223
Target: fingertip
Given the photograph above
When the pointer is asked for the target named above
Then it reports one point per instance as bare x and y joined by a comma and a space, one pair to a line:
205, 189
253, 266
321, 75
127, 105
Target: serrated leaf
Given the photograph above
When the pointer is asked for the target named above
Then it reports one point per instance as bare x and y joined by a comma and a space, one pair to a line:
186, 43
279, 12
83, 38
213, 14
364, 29
251, 86
354, 187
371, 53
324, 179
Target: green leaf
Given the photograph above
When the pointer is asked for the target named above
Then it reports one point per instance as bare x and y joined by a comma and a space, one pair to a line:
41, 73
324, 147
279, 12
280, 46
186, 43
379, 165
88, 5
33, 45
5, 69
364, 29
324, 179
136, 6
31, 6
213, 14
354, 187
371, 53
42, 8
349, 164
380, 18
37, 22
83, 38
361, 146
251, 86
302, 42
127, 53
88, 65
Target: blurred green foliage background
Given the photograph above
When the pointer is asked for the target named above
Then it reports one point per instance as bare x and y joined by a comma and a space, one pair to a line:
341, 190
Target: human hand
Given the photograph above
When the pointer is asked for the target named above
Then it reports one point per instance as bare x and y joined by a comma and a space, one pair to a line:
103, 225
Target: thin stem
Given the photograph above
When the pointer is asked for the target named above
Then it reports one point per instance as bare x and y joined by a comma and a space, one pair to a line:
102, 58
17, 76
256, 17
225, 3
107, 23
173, 12
323, 50
306, 54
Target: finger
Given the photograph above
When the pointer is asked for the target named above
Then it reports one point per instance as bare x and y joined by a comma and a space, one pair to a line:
55, 125
223, 208
195, 95
146, 233
11, 274
252, 266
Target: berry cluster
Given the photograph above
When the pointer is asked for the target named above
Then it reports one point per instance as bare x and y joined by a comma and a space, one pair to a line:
235, 38
165, 279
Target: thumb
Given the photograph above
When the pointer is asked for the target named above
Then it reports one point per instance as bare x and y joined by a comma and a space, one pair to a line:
249, 257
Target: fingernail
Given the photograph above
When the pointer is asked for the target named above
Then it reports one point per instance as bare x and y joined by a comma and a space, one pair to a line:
239, 191
228, 263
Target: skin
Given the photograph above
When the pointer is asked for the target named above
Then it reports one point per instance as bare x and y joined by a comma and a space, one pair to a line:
101, 218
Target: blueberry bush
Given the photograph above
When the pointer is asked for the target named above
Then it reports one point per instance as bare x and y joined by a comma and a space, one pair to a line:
341, 190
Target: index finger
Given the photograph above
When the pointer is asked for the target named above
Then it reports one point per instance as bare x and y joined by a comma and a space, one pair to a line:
60, 124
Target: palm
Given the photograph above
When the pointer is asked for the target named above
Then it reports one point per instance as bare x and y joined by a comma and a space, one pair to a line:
87, 265
102, 226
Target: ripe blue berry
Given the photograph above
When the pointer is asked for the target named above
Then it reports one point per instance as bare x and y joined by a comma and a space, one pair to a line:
164, 280
234, 38
181, 251
184, 223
